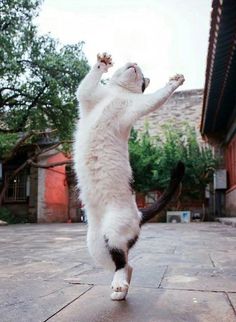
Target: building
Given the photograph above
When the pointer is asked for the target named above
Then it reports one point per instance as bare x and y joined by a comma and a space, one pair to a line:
182, 106
38, 194
218, 124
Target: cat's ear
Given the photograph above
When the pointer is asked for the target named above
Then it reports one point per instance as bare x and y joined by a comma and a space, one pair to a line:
147, 81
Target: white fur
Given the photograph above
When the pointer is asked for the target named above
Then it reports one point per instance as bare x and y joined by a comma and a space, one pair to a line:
101, 159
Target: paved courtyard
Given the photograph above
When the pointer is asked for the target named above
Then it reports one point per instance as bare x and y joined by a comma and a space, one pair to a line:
182, 272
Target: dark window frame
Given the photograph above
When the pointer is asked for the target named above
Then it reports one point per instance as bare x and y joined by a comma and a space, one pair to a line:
16, 191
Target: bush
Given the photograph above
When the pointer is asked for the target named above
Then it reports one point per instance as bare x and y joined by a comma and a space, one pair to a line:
10, 218
152, 159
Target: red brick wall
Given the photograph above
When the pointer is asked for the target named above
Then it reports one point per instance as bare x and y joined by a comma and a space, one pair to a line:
140, 200
230, 156
56, 191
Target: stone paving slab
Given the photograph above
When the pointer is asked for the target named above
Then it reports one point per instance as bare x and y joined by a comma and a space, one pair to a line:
182, 272
232, 299
42, 307
211, 279
150, 305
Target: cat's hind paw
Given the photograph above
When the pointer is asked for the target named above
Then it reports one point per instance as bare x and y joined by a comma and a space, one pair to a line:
105, 61
119, 285
119, 296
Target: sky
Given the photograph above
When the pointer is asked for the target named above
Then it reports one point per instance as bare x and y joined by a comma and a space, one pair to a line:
164, 37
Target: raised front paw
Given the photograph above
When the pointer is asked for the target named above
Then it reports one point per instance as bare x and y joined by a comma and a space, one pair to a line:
104, 61
177, 78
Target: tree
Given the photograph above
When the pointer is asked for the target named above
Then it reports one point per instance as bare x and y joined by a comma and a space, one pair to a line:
38, 79
153, 158
38, 76
143, 158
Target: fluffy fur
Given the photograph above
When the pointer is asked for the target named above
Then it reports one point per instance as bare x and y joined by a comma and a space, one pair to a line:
107, 113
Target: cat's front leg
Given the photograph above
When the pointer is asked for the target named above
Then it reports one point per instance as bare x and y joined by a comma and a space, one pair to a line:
176, 81
144, 104
90, 88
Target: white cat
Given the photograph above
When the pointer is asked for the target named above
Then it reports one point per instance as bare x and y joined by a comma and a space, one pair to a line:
101, 160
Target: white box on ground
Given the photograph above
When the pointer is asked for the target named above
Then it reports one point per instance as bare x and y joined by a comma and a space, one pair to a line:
178, 216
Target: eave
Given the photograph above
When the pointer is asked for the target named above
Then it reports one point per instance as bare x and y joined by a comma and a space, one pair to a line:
219, 100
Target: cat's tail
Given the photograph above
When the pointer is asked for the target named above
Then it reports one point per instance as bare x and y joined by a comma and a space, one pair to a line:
176, 176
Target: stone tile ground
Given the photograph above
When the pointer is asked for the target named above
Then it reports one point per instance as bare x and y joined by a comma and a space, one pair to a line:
181, 273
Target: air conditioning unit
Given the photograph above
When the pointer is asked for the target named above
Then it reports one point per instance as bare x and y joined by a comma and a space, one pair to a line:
178, 216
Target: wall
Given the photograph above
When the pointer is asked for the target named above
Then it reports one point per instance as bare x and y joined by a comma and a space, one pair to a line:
52, 190
183, 106
33, 197
230, 157
230, 200
75, 205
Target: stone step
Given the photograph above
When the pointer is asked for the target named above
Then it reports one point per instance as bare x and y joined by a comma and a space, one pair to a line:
227, 221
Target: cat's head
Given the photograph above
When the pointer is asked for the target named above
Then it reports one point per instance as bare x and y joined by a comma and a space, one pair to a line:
131, 78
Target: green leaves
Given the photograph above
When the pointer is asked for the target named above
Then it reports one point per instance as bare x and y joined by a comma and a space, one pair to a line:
7, 142
153, 158
38, 76
143, 156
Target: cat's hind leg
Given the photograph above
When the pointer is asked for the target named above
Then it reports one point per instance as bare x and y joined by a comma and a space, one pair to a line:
123, 271
120, 230
119, 293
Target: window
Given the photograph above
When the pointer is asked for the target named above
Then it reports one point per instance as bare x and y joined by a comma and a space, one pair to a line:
18, 187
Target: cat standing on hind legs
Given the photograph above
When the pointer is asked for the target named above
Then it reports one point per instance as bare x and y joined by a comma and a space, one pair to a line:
101, 161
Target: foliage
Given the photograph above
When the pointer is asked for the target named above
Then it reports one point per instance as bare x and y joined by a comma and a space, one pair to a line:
153, 158
6, 215
143, 158
38, 76
7, 142
38, 81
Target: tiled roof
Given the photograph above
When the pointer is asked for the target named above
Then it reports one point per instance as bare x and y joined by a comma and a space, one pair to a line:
219, 103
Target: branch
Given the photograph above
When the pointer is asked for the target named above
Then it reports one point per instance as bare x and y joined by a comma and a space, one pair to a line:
32, 104
50, 165
5, 25
22, 140
54, 146
3, 102
35, 100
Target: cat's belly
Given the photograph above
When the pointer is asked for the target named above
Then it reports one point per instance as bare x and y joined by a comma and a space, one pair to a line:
103, 168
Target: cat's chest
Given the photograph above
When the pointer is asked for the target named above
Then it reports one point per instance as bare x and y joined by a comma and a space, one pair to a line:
107, 113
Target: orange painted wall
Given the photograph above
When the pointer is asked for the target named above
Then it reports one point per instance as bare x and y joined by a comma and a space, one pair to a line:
56, 191
230, 156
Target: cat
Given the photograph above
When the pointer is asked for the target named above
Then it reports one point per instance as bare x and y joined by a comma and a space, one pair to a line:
101, 162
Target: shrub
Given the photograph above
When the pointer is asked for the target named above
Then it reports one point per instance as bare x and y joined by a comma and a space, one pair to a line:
10, 218
153, 158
